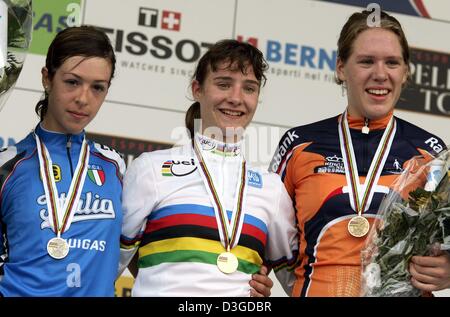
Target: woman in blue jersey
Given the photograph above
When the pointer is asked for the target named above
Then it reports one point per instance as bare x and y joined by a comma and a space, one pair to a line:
60, 198
202, 220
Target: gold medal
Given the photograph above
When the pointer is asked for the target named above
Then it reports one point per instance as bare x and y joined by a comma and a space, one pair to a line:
358, 226
360, 195
57, 248
227, 262
229, 231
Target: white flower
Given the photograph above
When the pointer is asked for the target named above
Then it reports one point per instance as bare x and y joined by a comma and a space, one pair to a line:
19, 37
371, 275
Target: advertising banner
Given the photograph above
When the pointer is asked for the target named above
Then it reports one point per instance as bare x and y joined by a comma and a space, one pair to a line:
157, 44
3, 33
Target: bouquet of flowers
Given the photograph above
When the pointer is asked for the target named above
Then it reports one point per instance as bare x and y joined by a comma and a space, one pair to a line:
414, 219
16, 16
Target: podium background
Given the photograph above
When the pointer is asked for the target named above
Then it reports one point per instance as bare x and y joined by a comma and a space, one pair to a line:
158, 42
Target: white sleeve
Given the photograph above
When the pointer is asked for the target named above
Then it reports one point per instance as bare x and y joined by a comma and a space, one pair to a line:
282, 242
139, 197
113, 155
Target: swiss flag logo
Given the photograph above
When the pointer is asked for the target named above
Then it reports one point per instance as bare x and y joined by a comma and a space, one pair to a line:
171, 20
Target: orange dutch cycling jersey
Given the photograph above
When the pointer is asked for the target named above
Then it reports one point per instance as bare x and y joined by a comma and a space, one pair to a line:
310, 163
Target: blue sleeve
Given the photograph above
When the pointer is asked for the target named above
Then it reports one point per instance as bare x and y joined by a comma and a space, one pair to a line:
8, 157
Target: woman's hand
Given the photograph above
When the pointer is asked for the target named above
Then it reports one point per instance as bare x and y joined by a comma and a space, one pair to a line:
430, 273
261, 283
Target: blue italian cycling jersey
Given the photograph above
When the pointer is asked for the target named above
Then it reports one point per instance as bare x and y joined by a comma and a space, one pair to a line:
90, 268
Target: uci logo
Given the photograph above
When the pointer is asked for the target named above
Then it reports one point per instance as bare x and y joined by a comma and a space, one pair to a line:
178, 168
207, 145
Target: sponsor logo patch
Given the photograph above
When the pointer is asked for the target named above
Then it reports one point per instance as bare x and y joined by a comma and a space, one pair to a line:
178, 168
254, 179
56, 172
333, 165
395, 168
90, 206
96, 174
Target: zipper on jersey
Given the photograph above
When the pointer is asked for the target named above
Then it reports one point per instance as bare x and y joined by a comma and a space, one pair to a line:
365, 136
365, 129
68, 147
223, 174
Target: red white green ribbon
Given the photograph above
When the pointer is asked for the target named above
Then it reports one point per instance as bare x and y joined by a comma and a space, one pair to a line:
60, 217
361, 194
229, 230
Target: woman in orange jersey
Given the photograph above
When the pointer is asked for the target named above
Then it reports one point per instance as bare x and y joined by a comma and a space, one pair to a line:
339, 169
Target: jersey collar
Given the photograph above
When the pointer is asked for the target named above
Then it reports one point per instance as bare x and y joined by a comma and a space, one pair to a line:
377, 124
218, 148
57, 138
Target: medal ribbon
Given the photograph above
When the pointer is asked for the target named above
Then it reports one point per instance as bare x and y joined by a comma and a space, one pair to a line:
361, 195
56, 212
228, 234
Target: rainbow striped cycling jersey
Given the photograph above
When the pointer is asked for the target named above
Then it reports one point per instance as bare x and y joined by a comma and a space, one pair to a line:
169, 218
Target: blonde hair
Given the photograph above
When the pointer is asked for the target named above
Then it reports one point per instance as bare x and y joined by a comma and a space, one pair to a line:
356, 24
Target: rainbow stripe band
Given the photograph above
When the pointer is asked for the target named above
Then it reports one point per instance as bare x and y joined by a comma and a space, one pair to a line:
229, 239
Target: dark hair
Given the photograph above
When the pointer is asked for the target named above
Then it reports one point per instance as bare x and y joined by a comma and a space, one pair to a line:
357, 23
238, 56
85, 40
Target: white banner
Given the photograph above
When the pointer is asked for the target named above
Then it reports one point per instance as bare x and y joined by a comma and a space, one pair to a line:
158, 43
3, 33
